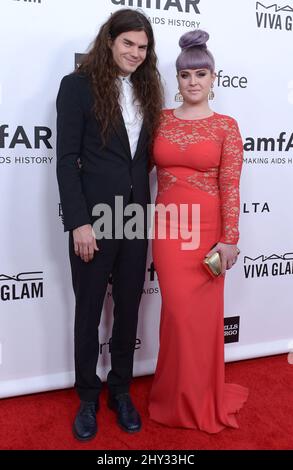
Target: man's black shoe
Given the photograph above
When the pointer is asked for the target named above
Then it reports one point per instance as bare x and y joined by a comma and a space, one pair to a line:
127, 416
85, 423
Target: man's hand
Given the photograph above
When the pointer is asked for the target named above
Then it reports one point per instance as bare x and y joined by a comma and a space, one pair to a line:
85, 243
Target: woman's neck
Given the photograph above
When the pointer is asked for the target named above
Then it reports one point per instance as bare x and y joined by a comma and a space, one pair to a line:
192, 111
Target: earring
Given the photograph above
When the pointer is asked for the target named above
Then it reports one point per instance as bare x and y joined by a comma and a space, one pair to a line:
178, 97
211, 93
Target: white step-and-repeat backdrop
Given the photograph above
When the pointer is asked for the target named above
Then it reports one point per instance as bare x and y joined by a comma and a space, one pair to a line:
40, 41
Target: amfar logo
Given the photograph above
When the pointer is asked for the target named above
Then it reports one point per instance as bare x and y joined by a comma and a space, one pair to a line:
231, 329
21, 286
274, 16
10, 139
283, 143
265, 266
151, 270
150, 277
19, 138
180, 5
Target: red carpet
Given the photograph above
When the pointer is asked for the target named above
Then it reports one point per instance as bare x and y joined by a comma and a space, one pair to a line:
43, 421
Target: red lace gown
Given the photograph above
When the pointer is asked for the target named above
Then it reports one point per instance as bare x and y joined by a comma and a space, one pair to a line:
198, 162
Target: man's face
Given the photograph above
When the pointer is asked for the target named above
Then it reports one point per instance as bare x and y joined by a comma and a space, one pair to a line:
129, 50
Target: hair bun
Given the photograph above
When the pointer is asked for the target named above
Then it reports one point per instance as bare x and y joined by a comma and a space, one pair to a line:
194, 38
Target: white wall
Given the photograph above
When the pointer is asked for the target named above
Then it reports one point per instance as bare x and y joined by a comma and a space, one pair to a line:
37, 46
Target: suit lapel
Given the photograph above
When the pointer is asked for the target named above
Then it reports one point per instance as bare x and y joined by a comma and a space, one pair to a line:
121, 132
142, 140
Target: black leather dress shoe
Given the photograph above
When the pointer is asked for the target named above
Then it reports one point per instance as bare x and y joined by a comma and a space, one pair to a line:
85, 423
127, 416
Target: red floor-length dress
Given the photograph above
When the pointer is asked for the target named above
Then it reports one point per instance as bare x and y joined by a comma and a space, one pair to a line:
198, 162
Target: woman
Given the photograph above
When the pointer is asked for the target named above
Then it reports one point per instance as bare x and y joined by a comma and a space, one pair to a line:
198, 154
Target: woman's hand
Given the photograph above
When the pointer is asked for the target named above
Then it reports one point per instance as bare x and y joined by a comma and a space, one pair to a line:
228, 254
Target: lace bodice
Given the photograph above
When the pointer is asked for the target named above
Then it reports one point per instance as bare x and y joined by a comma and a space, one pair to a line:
207, 154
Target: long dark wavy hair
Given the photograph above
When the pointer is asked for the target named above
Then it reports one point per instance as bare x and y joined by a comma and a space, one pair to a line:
99, 65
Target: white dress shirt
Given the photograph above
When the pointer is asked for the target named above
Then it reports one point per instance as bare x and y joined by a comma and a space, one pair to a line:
131, 112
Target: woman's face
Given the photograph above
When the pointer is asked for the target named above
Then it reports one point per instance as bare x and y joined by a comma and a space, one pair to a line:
195, 84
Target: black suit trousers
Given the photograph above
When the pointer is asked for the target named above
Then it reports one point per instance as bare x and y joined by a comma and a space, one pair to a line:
126, 260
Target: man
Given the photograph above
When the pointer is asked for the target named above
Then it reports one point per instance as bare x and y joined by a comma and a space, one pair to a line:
107, 113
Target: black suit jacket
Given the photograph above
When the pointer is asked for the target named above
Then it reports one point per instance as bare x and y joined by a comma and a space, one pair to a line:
106, 171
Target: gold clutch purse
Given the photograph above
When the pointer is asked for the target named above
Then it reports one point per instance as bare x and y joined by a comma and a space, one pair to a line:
213, 264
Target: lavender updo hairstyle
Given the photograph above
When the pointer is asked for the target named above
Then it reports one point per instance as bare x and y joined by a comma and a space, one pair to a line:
194, 52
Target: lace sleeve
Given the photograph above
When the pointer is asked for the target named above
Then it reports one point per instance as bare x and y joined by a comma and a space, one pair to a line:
229, 175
